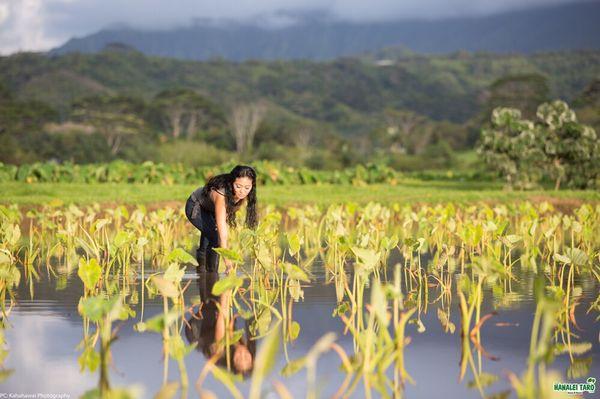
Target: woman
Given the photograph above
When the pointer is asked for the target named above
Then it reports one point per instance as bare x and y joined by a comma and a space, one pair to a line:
211, 209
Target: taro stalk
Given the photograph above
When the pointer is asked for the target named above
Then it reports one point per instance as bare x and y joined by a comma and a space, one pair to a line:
163, 223
36, 237
491, 271
140, 244
265, 361
573, 258
509, 242
121, 250
552, 236
227, 289
408, 249
98, 238
265, 248
307, 226
4, 373
103, 311
68, 233
536, 381
32, 252
9, 279
337, 237
377, 349
262, 301
367, 261
445, 283
335, 233
590, 226
168, 324
291, 285
471, 235
386, 245
400, 318
309, 361
467, 310
117, 215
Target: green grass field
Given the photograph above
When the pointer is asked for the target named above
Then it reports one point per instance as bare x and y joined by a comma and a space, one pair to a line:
409, 191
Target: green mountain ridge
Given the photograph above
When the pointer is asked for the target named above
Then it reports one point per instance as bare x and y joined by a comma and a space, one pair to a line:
372, 106
447, 87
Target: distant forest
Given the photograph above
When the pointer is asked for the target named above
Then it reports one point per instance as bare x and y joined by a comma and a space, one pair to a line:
392, 106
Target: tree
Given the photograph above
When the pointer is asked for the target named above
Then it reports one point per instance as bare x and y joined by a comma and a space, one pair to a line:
407, 130
587, 105
523, 92
245, 119
21, 123
556, 146
183, 111
572, 149
112, 117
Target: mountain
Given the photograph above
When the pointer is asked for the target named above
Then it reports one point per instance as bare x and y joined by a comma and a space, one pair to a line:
572, 26
348, 93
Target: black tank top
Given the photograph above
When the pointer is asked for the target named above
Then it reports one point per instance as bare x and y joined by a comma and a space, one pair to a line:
202, 196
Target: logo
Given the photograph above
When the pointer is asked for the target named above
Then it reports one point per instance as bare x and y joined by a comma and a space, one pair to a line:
576, 388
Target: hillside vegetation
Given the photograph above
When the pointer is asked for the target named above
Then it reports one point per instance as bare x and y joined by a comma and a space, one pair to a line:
392, 105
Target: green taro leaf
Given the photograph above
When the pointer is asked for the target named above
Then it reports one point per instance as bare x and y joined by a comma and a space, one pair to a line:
295, 272
122, 238
230, 255
576, 348
89, 272
294, 243
96, 307
577, 256
179, 255
379, 303
228, 283
166, 287
89, 359
562, 258
294, 330
173, 273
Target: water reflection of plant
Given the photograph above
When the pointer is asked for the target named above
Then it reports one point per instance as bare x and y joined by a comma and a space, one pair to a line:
103, 311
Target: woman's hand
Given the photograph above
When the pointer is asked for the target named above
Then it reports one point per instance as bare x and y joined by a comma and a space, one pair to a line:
228, 265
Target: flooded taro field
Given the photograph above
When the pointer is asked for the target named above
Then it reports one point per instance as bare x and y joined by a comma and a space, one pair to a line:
459, 301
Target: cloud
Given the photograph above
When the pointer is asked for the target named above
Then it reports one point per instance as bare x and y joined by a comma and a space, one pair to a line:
41, 363
37, 25
22, 26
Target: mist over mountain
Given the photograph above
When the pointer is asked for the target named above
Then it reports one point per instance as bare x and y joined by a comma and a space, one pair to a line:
317, 37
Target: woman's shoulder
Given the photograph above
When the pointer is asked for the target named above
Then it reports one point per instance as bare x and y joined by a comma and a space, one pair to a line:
218, 189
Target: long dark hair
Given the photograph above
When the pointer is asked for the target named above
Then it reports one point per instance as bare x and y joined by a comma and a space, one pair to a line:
225, 182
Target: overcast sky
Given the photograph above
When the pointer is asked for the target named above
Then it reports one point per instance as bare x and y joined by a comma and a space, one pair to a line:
38, 25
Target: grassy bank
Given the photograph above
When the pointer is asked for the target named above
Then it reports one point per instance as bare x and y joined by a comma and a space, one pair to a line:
407, 191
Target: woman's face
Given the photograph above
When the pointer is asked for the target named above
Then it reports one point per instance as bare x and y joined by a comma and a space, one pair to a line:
241, 187
242, 359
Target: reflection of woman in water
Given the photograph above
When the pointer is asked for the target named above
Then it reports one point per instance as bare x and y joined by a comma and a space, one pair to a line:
211, 209
207, 328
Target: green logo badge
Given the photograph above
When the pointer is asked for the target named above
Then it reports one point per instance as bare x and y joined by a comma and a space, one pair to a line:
576, 388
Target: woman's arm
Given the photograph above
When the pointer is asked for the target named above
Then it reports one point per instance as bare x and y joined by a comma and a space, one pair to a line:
223, 307
221, 219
